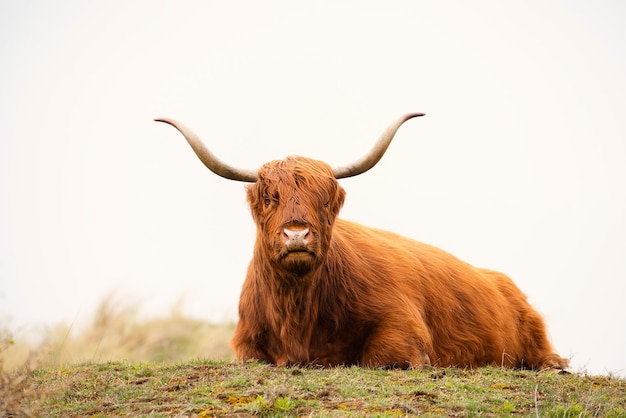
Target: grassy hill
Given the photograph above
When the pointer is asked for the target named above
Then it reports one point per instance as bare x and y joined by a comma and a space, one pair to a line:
204, 388
176, 366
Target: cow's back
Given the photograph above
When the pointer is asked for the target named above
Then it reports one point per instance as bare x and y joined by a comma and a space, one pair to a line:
474, 316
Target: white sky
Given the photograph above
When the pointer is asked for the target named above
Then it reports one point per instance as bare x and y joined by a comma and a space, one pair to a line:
518, 165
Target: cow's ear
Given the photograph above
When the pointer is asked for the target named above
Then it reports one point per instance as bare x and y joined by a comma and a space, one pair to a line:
337, 202
250, 193
252, 198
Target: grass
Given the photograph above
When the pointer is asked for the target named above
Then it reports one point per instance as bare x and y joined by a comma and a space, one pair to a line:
205, 388
175, 366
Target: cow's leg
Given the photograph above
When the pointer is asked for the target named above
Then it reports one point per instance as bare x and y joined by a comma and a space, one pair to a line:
397, 344
536, 348
246, 347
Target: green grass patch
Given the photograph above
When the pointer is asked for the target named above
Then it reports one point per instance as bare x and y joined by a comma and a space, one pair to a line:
205, 388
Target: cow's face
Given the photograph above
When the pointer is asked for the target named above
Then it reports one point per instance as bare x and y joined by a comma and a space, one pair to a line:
295, 203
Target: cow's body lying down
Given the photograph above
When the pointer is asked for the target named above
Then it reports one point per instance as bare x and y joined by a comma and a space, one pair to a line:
325, 291
380, 299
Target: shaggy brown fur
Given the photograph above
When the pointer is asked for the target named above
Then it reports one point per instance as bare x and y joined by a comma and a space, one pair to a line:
353, 295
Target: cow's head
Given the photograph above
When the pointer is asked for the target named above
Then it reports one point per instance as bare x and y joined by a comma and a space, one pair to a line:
295, 201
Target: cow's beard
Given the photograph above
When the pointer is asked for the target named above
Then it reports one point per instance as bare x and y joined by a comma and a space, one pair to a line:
298, 263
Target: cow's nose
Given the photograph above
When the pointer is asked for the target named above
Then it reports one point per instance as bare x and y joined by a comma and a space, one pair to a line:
296, 239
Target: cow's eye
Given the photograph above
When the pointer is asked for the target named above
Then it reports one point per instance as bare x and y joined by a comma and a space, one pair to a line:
269, 200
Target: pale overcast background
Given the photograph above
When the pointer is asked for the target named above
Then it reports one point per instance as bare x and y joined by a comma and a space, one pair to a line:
518, 166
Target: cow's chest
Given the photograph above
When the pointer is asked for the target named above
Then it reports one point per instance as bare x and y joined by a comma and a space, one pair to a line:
320, 343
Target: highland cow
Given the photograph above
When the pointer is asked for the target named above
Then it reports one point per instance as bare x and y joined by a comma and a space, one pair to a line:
324, 291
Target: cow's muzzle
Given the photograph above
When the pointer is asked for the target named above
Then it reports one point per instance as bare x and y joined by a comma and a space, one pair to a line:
296, 239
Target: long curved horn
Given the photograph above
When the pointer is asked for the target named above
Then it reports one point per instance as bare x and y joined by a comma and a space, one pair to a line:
376, 153
208, 158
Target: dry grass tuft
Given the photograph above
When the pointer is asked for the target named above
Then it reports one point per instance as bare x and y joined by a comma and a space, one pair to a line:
16, 385
117, 333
